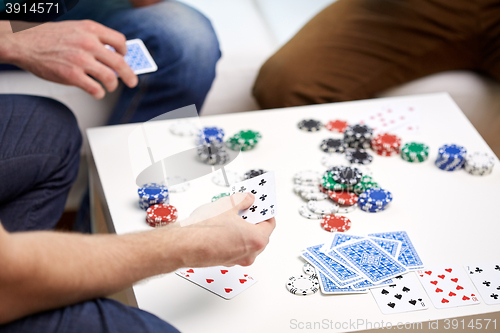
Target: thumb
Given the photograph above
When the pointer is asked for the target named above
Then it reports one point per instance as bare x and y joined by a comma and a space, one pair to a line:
244, 202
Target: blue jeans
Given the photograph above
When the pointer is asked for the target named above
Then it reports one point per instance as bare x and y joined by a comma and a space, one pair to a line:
39, 158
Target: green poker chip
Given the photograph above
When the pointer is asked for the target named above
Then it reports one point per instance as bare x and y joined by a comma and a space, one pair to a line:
217, 197
415, 152
328, 183
244, 140
366, 183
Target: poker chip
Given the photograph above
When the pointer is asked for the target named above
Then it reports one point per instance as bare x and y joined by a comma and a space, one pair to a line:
343, 197
386, 144
232, 178
305, 188
479, 164
314, 195
332, 160
179, 184
366, 183
151, 194
346, 175
346, 209
307, 177
309, 269
302, 285
323, 207
358, 156
365, 171
217, 197
305, 212
210, 134
332, 145
184, 128
370, 209
450, 157
336, 223
358, 136
310, 125
328, 183
376, 196
338, 126
244, 140
253, 173
213, 153
161, 215
415, 152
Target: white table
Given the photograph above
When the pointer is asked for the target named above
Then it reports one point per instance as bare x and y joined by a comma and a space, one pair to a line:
451, 217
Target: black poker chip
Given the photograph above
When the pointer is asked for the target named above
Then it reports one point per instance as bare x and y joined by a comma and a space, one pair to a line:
213, 153
332, 145
310, 125
347, 175
358, 156
358, 136
253, 173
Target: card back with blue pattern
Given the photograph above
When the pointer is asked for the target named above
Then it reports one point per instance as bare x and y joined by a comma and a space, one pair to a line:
408, 255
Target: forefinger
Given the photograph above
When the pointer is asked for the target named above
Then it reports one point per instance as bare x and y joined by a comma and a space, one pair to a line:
112, 38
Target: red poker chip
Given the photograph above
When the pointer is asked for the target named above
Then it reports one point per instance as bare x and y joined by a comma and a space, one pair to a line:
388, 141
322, 189
338, 126
337, 223
157, 224
161, 213
343, 197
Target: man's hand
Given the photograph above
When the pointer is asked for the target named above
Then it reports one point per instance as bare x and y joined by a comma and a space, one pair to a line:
68, 52
219, 236
143, 3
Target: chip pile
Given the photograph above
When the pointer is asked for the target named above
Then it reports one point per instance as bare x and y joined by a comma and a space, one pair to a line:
386, 144
213, 153
161, 215
451, 157
151, 194
479, 164
209, 135
415, 152
358, 136
366, 183
244, 140
374, 200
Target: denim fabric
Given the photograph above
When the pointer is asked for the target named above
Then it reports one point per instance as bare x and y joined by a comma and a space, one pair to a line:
39, 158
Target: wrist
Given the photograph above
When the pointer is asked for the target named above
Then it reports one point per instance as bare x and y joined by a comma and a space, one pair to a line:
8, 49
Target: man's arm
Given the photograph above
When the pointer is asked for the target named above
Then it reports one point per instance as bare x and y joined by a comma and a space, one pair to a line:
71, 53
46, 270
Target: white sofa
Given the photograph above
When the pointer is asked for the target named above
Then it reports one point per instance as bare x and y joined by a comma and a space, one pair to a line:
249, 32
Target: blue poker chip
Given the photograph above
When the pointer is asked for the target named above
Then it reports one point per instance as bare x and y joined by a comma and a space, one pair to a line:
451, 152
364, 207
153, 191
211, 134
376, 196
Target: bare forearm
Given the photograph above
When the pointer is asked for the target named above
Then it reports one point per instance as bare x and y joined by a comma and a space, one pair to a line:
49, 270
5, 31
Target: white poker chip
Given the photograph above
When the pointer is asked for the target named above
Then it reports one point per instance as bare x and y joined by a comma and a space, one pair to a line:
309, 269
307, 177
314, 195
324, 207
232, 177
184, 128
181, 184
479, 164
305, 212
305, 188
346, 209
302, 285
332, 160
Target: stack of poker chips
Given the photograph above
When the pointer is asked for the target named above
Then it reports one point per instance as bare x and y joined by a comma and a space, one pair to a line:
374, 200
364, 184
451, 157
209, 135
332, 145
161, 215
386, 144
151, 194
244, 140
213, 153
415, 152
358, 136
479, 164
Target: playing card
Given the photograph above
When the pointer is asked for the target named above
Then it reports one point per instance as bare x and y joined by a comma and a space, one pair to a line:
264, 189
337, 238
139, 58
403, 295
486, 278
343, 275
408, 255
447, 286
391, 246
226, 282
328, 287
373, 262
396, 119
